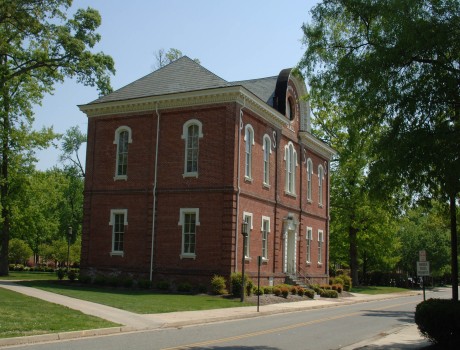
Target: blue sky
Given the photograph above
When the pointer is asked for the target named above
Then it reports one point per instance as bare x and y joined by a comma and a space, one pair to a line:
235, 39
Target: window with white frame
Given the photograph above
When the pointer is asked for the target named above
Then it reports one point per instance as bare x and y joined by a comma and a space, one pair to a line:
247, 217
249, 140
309, 237
118, 221
122, 139
267, 151
290, 157
309, 178
320, 246
189, 220
191, 133
265, 231
320, 184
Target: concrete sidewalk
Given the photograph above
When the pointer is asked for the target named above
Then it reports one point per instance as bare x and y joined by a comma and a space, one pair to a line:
402, 338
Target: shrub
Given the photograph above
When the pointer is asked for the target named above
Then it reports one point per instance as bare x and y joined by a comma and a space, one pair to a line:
437, 319
203, 289
300, 291
84, 279
127, 282
60, 274
309, 293
259, 291
338, 280
347, 285
184, 287
285, 292
236, 281
277, 291
325, 286
72, 275
113, 281
337, 287
100, 280
293, 290
161, 285
268, 290
218, 284
329, 293
144, 284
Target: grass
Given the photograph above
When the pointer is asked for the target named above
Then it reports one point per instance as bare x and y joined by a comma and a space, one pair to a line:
377, 290
22, 316
22, 275
138, 301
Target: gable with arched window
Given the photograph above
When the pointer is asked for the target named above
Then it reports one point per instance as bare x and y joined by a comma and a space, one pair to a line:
290, 158
249, 143
191, 133
123, 137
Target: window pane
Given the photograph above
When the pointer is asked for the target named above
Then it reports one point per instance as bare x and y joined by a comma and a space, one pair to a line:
189, 232
192, 148
122, 156
118, 232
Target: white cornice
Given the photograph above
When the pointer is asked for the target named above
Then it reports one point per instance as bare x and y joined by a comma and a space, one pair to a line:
187, 99
317, 145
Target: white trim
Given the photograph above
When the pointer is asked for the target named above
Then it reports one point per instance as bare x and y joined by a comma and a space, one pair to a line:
266, 172
184, 137
116, 141
182, 212
265, 219
293, 178
114, 212
316, 145
320, 185
248, 130
320, 244
248, 246
309, 237
310, 173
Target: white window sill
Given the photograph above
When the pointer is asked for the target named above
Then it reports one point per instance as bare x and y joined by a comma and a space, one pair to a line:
308, 263
248, 179
287, 193
188, 256
120, 177
320, 205
265, 260
194, 174
320, 264
309, 201
122, 254
266, 185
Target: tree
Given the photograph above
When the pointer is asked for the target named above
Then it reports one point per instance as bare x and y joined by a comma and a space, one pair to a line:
362, 232
72, 141
19, 251
162, 58
39, 47
398, 64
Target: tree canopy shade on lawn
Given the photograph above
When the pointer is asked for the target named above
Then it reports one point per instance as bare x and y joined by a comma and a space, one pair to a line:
39, 47
396, 64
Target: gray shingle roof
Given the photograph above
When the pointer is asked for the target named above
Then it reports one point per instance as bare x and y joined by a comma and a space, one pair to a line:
185, 75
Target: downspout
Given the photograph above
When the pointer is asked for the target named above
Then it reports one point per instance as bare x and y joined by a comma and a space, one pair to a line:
155, 191
240, 127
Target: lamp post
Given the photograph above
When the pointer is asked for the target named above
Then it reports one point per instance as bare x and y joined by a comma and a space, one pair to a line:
69, 235
244, 232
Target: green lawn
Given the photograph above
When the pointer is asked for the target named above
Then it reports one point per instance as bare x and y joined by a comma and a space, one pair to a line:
138, 301
22, 275
377, 290
22, 315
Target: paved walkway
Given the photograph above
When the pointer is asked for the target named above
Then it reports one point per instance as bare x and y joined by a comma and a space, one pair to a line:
406, 337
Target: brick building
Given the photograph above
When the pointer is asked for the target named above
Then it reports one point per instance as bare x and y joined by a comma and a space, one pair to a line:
179, 159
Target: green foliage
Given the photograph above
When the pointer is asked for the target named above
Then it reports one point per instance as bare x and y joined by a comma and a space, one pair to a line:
268, 289
300, 292
72, 275
347, 282
60, 274
277, 291
163, 285
41, 46
328, 293
162, 57
19, 251
309, 293
284, 292
144, 284
437, 319
337, 287
236, 283
218, 285
184, 287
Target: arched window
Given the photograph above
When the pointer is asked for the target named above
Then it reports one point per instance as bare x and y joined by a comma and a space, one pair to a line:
267, 150
320, 184
122, 139
290, 157
290, 109
249, 140
309, 178
191, 133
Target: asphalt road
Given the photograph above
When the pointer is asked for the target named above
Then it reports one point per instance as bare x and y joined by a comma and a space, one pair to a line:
329, 328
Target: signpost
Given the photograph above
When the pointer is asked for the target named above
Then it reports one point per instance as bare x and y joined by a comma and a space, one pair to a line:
423, 268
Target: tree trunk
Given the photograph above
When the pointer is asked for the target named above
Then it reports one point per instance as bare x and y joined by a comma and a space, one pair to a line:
453, 245
352, 234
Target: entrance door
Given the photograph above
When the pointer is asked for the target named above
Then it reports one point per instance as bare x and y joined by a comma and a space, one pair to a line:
290, 253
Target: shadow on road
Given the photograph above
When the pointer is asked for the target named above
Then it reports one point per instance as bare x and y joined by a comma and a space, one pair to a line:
403, 316
241, 348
